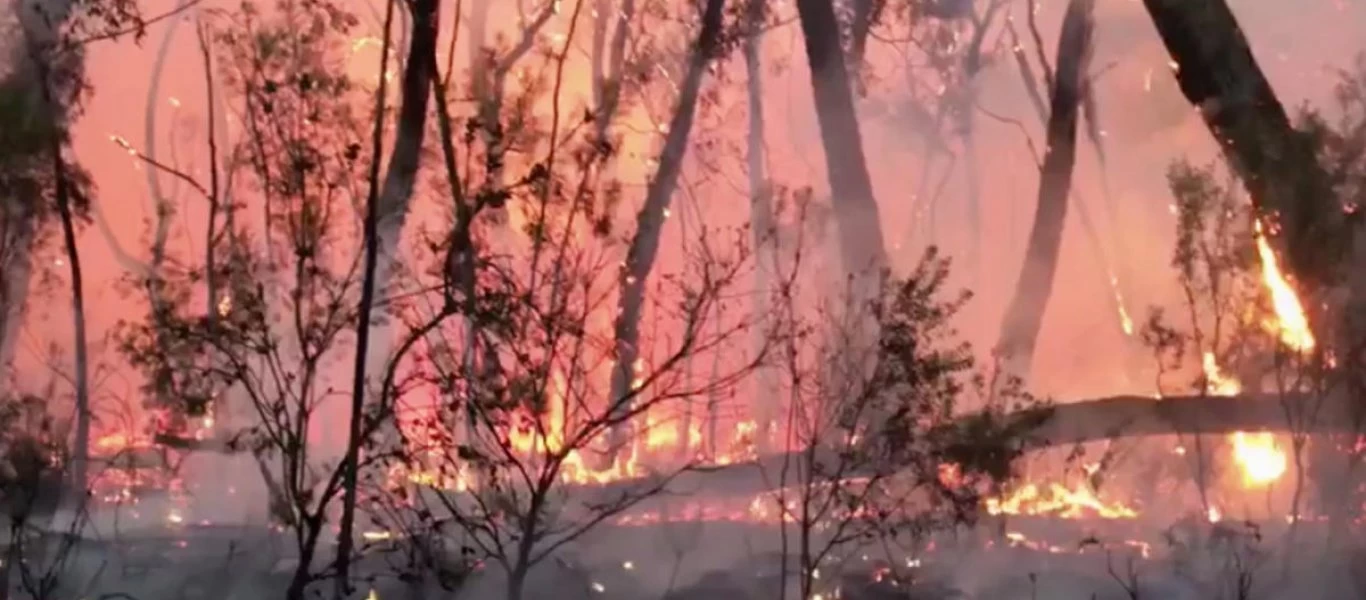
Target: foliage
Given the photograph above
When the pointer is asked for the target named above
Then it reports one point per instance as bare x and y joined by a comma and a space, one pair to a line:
289, 281
894, 455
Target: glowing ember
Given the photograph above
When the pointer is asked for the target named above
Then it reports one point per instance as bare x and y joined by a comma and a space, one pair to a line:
1124, 320
1214, 515
1260, 459
1058, 501
1291, 325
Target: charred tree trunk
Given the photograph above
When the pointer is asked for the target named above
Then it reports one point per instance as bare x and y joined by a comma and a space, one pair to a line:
856, 210
1024, 316
1218, 74
384, 216
640, 257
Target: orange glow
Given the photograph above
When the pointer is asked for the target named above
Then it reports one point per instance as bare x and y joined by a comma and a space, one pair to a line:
1057, 500
1259, 457
1291, 326
1218, 384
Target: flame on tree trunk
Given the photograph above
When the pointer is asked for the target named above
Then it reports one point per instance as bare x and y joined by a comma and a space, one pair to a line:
384, 219
1218, 74
1024, 316
644, 247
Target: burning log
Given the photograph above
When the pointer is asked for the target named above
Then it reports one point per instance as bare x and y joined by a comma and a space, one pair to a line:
1063, 424
1130, 416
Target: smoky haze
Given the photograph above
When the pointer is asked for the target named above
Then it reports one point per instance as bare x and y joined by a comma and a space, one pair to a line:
151, 94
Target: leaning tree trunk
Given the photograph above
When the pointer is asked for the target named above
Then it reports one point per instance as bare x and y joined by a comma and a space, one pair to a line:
1218, 74
640, 258
384, 219
860, 229
1278, 165
1024, 316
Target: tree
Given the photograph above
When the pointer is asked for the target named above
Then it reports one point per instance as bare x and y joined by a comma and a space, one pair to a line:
861, 242
381, 235
289, 282
1277, 164
1024, 316
879, 456
640, 257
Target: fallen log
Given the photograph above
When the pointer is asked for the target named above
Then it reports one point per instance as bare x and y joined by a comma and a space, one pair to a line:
1133, 416
1062, 424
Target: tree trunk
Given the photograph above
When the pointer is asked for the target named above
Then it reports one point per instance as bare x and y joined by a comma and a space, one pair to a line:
1024, 316
765, 400
856, 210
20, 224
640, 257
385, 213
81, 450
396, 195
1218, 74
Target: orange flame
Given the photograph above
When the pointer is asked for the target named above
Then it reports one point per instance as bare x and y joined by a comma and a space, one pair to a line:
1217, 382
1259, 457
1291, 326
1059, 501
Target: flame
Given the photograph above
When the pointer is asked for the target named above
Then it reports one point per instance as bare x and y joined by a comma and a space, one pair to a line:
1260, 458
1217, 383
1291, 325
1257, 455
1058, 501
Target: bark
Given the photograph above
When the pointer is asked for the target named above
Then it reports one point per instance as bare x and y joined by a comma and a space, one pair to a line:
640, 257
1218, 74
860, 229
866, 13
385, 213
1024, 316
765, 400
